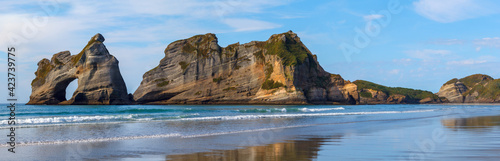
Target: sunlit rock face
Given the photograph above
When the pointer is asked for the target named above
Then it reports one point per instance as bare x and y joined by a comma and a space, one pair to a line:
280, 70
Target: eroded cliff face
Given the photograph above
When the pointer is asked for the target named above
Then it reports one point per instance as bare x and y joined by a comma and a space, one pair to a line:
476, 88
99, 78
280, 70
453, 92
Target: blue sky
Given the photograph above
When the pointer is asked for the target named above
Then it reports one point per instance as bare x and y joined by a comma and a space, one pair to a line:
423, 45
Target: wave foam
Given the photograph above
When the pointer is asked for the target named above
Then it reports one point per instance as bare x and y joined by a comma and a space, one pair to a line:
69, 119
284, 110
321, 109
248, 117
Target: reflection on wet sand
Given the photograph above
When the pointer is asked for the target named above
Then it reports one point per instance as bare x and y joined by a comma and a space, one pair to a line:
473, 122
306, 149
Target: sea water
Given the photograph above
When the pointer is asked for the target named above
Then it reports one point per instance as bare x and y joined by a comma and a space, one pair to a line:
179, 132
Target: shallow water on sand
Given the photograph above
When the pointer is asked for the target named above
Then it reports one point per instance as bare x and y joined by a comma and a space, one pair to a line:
384, 132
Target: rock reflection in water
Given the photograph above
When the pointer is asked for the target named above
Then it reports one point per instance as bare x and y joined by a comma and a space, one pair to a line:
306, 149
473, 122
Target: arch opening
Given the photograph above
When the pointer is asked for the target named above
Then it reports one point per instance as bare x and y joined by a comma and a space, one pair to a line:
60, 93
70, 90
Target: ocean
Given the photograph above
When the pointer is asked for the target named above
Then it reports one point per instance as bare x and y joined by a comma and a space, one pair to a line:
248, 132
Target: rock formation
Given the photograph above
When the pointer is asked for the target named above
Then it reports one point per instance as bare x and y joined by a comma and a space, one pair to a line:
280, 70
99, 78
371, 93
197, 70
476, 88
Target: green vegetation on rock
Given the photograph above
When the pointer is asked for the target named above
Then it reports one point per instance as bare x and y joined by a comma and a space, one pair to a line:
259, 55
217, 80
365, 94
77, 57
291, 51
490, 89
454, 80
57, 62
162, 82
472, 80
201, 45
229, 88
410, 93
269, 70
188, 48
44, 68
184, 65
271, 84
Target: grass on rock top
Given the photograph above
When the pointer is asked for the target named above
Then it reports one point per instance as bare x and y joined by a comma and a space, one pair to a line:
45, 67
77, 57
484, 85
472, 80
291, 52
489, 90
201, 45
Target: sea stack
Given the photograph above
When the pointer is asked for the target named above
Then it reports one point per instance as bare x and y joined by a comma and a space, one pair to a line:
97, 72
280, 70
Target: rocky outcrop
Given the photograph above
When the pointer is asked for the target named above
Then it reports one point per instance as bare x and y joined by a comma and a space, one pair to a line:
280, 70
371, 93
99, 78
453, 92
478, 88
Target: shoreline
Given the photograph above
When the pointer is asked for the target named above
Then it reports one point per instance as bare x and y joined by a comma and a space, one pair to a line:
392, 138
263, 104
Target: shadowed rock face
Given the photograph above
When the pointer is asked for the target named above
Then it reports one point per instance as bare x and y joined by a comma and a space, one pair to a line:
99, 78
280, 70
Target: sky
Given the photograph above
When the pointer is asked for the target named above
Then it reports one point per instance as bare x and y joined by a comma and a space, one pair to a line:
417, 44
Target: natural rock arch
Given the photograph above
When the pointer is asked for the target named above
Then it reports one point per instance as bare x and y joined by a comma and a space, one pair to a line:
97, 73
60, 89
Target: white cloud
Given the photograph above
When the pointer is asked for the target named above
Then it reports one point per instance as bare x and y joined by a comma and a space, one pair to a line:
243, 24
446, 11
475, 61
448, 42
394, 71
492, 42
404, 61
125, 21
427, 54
132, 28
372, 17
466, 62
488, 42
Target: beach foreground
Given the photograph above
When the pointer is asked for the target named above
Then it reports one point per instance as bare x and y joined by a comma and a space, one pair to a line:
385, 132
